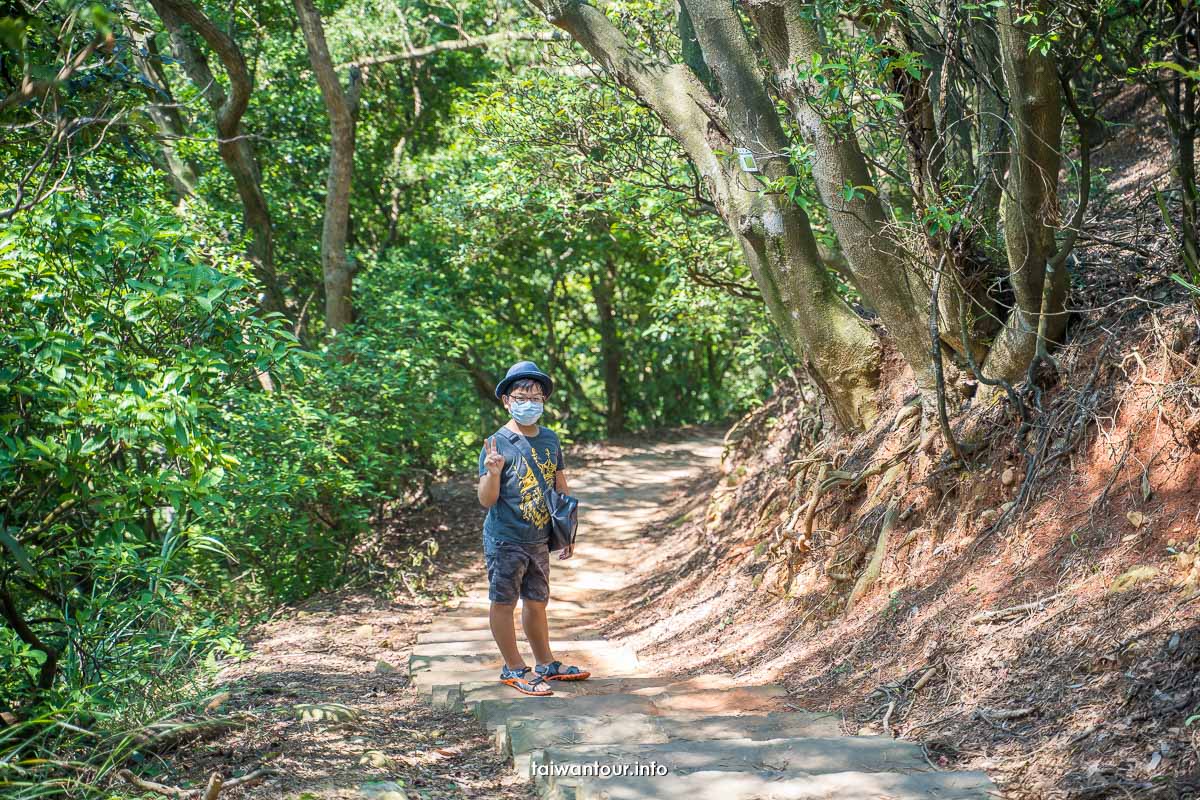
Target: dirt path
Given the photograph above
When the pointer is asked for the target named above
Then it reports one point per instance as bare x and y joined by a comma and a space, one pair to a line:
325, 692
398, 701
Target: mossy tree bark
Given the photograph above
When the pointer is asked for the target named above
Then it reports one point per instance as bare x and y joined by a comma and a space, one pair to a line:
776, 238
1030, 203
722, 97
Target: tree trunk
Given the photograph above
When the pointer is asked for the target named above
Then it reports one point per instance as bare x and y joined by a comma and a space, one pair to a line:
16, 620
234, 147
838, 348
162, 109
481, 379
342, 107
604, 281
937, 143
1030, 203
991, 155
882, 271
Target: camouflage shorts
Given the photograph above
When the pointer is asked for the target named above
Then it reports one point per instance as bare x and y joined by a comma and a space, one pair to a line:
517, 570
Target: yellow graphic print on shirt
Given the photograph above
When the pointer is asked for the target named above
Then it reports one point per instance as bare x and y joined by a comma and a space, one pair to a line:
533, 504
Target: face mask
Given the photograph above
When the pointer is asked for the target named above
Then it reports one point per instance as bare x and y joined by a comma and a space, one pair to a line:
525, 412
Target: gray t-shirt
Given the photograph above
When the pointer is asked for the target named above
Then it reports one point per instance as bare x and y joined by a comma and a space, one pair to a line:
520, 513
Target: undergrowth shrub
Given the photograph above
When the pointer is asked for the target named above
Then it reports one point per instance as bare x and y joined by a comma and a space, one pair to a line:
152, 495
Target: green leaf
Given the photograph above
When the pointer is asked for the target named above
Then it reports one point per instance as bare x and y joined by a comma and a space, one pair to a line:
10, 542
1191, 74
181, 434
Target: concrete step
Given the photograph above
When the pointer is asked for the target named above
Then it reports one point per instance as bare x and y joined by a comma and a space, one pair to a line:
494, 713
467, 695
452, 668
426, 681
772, 786
809, 756
468, 627
522, 735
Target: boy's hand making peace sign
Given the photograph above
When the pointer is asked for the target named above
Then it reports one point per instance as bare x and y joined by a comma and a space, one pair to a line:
493, 462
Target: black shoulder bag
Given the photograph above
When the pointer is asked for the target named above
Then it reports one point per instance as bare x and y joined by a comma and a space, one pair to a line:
564, 509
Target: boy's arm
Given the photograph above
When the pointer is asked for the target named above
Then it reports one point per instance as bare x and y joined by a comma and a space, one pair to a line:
560, 485
560, 474
489, 489
490, 465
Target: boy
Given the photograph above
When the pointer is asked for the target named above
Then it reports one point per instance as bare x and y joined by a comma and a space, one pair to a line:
515, 531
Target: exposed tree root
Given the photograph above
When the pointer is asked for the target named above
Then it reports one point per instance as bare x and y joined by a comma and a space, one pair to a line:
210, 792
1012, 611
875, 565
167, 735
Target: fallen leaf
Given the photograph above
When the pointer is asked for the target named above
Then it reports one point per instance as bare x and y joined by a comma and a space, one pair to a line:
1136, 518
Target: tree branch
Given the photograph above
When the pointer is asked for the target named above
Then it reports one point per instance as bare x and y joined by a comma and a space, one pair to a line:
229, 115
30, 88
467, 43
12, 615
336, 101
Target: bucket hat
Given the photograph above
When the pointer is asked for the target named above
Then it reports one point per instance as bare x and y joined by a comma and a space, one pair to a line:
524, 369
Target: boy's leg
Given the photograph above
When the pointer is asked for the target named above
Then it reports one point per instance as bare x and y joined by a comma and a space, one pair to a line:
535, 593
504, 631
505, 569
537, 629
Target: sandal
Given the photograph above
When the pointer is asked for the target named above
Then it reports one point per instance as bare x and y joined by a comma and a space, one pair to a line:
554, 671
516, 679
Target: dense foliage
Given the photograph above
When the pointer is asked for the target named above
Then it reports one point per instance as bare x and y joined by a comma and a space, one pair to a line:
184, 444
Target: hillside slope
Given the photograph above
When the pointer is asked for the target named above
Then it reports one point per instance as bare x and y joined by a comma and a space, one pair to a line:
1032, 614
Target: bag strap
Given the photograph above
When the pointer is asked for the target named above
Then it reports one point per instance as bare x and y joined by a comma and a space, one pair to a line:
526, 451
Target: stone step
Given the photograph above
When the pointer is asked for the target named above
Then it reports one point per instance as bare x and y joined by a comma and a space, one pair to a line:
452, 668
426, 681
494, 713
522, 735
470, 693
764, 785
809, 756
691, 695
